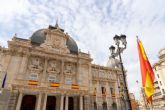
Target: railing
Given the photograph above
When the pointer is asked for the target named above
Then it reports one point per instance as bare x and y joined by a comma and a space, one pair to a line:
47, 85
84, 54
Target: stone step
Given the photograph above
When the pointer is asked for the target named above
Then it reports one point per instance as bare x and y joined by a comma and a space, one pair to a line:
12, 102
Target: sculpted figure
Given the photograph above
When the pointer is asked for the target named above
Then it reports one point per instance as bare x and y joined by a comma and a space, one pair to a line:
68, 70
52, 68
56, 43
35, 65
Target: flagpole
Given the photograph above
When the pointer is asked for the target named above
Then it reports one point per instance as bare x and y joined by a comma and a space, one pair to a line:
143, 95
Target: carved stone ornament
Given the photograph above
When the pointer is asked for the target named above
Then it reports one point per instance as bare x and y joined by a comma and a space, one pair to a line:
55, 42
69, 69
53, 67
35, 65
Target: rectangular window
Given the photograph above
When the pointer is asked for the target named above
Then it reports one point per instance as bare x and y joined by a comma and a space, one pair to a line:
163, 91
111, 89
103, 89
51, 78
33, 77
68, 80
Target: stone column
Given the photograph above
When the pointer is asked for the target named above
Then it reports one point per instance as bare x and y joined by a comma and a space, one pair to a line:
62, 73
97, 94
45, 101
19, 101
66, 103
117, 95
45, 68
87, 102
108, 100
62, 102
75, 106
78, 73
58, 102
39, 101
81, 102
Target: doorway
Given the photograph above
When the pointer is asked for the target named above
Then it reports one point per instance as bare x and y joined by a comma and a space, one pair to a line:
51, 103
28, 102
71, 104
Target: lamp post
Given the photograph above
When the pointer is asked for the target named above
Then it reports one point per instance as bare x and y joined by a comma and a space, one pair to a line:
121, 44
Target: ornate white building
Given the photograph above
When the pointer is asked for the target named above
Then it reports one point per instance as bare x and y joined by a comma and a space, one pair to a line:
159, 94
48, 72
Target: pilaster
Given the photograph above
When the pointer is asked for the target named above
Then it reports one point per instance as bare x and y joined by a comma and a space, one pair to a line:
45, 68
62, 102
45, 101
66, 102
19, 101
81, 103
38, 107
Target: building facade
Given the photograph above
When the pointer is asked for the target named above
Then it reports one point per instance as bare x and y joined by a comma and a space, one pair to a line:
48, 72
134, 103
159, 85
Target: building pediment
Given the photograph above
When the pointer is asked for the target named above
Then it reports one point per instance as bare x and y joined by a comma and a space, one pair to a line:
55, 41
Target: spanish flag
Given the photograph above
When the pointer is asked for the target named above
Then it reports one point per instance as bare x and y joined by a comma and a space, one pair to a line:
55, 85
32, 82
146, 72
75, 86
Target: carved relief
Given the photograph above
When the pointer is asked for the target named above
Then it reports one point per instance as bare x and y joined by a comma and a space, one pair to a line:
55, 41
69, 69
36, 65
69, 72
53, 67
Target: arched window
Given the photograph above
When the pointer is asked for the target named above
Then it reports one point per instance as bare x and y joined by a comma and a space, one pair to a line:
33, 76
103, 89
114, 106
95, 106
105, 106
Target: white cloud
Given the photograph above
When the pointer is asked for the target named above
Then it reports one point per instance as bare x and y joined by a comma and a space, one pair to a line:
92, 24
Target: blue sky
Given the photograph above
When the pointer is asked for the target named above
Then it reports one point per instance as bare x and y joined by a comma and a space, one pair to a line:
93, 24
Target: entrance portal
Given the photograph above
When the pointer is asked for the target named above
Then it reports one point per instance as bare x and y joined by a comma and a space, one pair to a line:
28, 102
51, 103
71, 104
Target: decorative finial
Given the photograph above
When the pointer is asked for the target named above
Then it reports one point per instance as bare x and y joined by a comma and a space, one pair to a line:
14, 37
56, 23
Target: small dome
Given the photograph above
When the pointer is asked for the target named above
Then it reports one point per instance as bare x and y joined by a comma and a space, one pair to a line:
39, 36
113, 63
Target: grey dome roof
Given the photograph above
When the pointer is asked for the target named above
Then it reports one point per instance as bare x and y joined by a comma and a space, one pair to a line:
39, 36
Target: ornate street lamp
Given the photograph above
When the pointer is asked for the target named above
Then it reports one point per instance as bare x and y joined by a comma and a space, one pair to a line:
121, 44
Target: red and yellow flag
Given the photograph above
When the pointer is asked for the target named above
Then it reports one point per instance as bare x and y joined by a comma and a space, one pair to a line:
146, 72
55, 85
32, 82
75, 86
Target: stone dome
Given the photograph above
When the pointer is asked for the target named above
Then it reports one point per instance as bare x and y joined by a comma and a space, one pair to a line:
113, 63
39, 36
